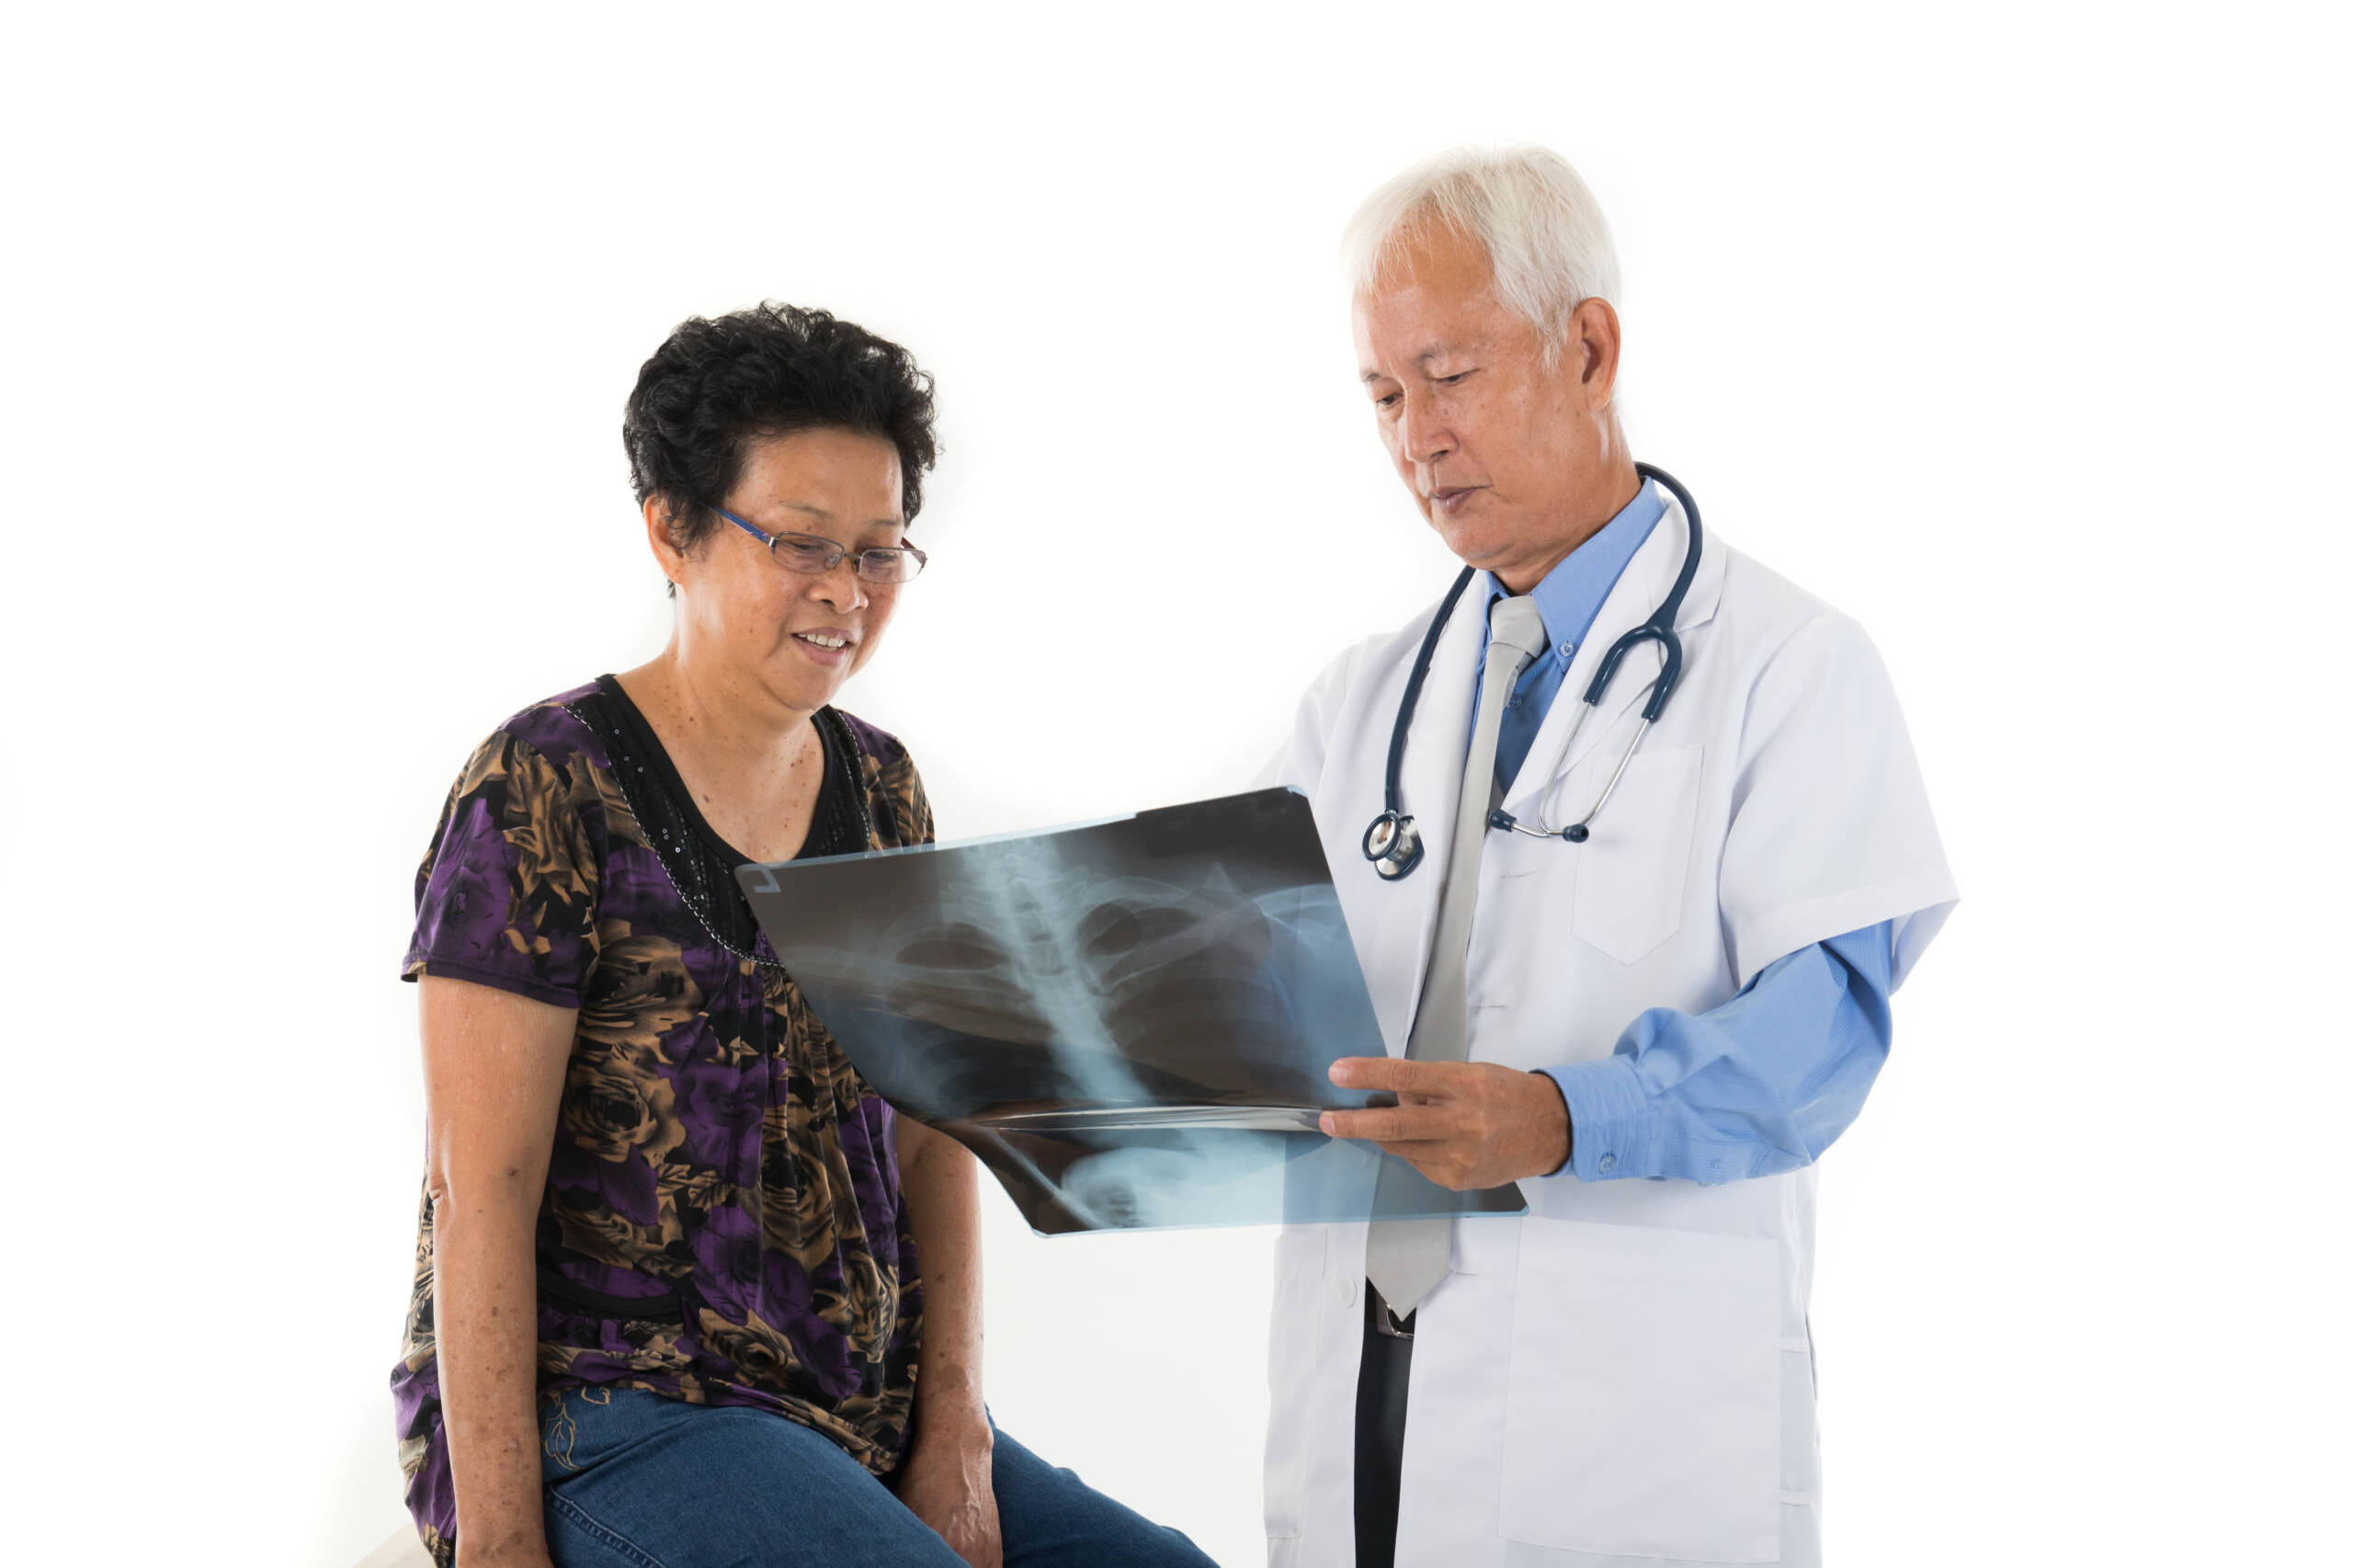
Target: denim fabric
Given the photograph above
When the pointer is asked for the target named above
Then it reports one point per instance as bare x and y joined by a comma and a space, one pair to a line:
638, 1481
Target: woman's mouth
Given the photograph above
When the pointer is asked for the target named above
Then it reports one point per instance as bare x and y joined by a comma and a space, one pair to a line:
826, 647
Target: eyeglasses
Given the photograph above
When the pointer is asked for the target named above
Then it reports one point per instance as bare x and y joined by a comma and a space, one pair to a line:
893, 564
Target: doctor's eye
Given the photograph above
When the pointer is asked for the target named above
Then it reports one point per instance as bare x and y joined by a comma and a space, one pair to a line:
1458, 376
1386, 400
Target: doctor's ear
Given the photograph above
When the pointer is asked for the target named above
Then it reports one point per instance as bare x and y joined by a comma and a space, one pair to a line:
1591, 351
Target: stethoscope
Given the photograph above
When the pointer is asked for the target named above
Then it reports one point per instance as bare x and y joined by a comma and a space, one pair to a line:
1394, 846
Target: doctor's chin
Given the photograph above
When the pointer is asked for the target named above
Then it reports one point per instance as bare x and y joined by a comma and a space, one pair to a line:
1634, 854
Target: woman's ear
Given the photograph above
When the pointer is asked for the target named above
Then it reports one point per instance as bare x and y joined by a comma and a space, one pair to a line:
658, 534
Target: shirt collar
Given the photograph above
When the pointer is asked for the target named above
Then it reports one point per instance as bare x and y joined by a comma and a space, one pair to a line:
1571, 593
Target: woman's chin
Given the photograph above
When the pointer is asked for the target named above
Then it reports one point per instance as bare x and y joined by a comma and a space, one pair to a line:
797, 684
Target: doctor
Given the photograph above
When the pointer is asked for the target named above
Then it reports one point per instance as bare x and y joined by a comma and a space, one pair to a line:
1654, 1024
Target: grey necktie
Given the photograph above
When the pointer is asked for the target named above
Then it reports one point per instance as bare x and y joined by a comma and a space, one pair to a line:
1405, 1257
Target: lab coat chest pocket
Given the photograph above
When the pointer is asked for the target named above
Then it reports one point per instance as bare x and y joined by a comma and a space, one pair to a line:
1633, 873
1644, 1412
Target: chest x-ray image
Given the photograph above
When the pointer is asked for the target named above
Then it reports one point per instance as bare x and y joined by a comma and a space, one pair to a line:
1128, 1022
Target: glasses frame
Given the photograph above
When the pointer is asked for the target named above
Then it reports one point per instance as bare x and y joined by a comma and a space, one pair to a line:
836, 553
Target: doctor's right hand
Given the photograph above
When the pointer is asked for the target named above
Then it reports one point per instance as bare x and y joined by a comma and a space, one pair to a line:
1463, 1124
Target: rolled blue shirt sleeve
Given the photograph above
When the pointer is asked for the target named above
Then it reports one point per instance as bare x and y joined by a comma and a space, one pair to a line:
1759, 1086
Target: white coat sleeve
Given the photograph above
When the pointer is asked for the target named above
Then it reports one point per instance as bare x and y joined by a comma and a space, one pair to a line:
1831, 830
1299, 761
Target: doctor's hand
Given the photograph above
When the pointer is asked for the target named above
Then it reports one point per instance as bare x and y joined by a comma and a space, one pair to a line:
1462, 1124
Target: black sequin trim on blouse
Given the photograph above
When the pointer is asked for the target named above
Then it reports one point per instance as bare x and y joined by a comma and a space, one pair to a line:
701, 865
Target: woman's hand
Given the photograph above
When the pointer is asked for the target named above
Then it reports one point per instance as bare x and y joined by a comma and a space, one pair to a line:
945, 1482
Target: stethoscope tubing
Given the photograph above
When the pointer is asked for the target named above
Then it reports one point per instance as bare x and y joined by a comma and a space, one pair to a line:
1391, 842
1390, 789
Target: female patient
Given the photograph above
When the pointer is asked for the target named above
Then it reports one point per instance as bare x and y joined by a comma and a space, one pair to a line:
686, 1292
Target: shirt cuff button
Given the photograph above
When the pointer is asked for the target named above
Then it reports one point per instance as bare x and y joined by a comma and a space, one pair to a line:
1607, 1163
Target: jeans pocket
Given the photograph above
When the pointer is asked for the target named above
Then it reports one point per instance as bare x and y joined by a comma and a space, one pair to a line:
559, 1432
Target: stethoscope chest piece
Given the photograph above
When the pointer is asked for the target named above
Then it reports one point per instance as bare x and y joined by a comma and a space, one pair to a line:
1393, 845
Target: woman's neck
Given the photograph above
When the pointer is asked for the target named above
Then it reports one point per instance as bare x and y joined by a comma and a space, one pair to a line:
753, 766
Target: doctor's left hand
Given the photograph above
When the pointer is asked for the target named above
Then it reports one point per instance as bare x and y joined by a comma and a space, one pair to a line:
1462, 1124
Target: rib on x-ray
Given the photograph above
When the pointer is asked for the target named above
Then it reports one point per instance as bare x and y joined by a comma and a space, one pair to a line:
1128, 1022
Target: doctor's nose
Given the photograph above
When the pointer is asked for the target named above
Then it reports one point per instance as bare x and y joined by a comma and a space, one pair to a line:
1421, 436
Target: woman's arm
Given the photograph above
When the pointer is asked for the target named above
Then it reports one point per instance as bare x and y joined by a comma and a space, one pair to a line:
493, 1076
945, 1480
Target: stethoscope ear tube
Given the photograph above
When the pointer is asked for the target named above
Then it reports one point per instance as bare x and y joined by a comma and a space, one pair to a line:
1670, 668
1393, 843
1389, 802
1661, 622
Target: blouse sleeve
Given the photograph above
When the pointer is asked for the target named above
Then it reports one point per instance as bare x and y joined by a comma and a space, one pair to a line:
901, 811
507, 896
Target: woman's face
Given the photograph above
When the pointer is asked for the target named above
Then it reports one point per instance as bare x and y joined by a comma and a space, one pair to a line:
775, 638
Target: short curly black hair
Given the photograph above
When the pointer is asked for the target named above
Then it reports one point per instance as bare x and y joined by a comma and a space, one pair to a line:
717, 385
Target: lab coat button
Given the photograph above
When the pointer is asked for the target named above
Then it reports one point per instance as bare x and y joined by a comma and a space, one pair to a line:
1609, 1162
1348, 1293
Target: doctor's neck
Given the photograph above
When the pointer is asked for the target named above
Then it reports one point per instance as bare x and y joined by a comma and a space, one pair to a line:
1582, 505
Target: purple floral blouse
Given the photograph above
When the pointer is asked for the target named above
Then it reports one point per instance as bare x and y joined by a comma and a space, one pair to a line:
722, 1222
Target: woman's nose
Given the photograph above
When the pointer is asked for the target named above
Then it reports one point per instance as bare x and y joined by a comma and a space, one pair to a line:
840, 588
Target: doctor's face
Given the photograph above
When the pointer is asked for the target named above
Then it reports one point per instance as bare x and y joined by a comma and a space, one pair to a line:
1508, 457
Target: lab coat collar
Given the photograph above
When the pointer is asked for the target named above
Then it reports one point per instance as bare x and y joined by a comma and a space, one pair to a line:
1642, 587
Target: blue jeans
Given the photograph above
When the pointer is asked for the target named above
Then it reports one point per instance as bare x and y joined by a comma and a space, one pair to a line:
638, 1481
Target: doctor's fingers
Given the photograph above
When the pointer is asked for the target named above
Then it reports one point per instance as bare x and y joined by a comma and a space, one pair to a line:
1422, 1078
1444, 1162
1399, 1124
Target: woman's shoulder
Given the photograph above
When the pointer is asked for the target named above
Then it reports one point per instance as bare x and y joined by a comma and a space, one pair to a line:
550, 754
872, 742
895, 794
555, 729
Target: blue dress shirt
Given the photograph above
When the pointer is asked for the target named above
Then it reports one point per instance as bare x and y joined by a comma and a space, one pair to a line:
1759, 1085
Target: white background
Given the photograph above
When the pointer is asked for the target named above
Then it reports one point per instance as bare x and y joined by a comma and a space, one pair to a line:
2017, 333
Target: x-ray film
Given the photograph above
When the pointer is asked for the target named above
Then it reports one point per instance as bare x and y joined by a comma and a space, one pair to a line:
1128, 1022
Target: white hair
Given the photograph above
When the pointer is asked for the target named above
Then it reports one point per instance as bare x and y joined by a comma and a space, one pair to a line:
1540, 227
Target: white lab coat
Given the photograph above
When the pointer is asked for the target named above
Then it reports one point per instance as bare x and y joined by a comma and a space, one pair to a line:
1623, 1377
